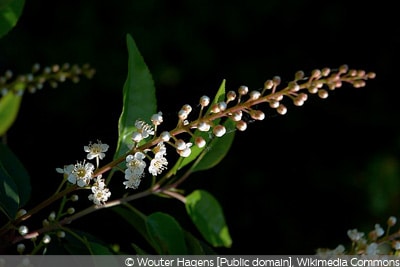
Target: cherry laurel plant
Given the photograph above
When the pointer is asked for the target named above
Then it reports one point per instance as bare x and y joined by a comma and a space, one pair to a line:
199, 140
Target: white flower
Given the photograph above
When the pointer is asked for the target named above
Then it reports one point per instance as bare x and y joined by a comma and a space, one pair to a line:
143, 131
158, 164
160, 149
135, 164
185, 151
81, 174
157, 119
354, 235
66, 171
100, 192
135, 170
96, 150
378, 230
132, 181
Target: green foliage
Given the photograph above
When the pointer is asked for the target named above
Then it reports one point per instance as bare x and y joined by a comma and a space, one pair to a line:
15, 188
137, 159
166, 234
207, 215
10, 11
9, 107
139, 100
209, 156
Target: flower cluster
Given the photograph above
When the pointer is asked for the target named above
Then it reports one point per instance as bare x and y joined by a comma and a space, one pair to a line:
375, 243
237, 103
53, 75
148, 149
81, 173
227, 112
233, 107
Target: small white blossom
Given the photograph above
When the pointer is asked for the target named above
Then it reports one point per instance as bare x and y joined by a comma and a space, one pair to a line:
143, 131
46, 239
180, 144
135, 170
160, 149
132, 181
135, 164
185, 151
96, 150
354, 235
165, 136
100, 192
158, 164
392, 221
203, 126
81, 174
23, 230
67, 170
157, 119
379, 230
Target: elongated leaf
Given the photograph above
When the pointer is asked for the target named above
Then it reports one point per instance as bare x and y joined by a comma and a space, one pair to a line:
196, 151
166, 233
10, 11
9, 107
206, 213
139, 98
15, 188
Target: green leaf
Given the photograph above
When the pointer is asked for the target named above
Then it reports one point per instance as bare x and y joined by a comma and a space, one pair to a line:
9, 107
15, 188
196, 246
211, 141
139, 97
217, 149
206, 213
10, 11
135, 218
166, 233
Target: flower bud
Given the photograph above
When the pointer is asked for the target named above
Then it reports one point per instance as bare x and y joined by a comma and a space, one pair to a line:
219, 130
241, 125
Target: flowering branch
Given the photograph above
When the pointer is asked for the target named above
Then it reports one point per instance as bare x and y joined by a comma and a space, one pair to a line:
148, 145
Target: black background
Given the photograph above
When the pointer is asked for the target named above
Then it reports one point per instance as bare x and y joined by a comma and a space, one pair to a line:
290, 184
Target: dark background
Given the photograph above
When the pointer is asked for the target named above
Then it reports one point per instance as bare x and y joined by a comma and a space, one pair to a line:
290, 184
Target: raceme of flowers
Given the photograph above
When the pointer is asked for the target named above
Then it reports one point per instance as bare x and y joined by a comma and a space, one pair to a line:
377, 242
148, 149
53, 75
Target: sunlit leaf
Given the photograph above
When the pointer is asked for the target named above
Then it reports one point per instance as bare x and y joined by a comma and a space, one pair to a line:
9, 107
223, 143
139, 98
206, 213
